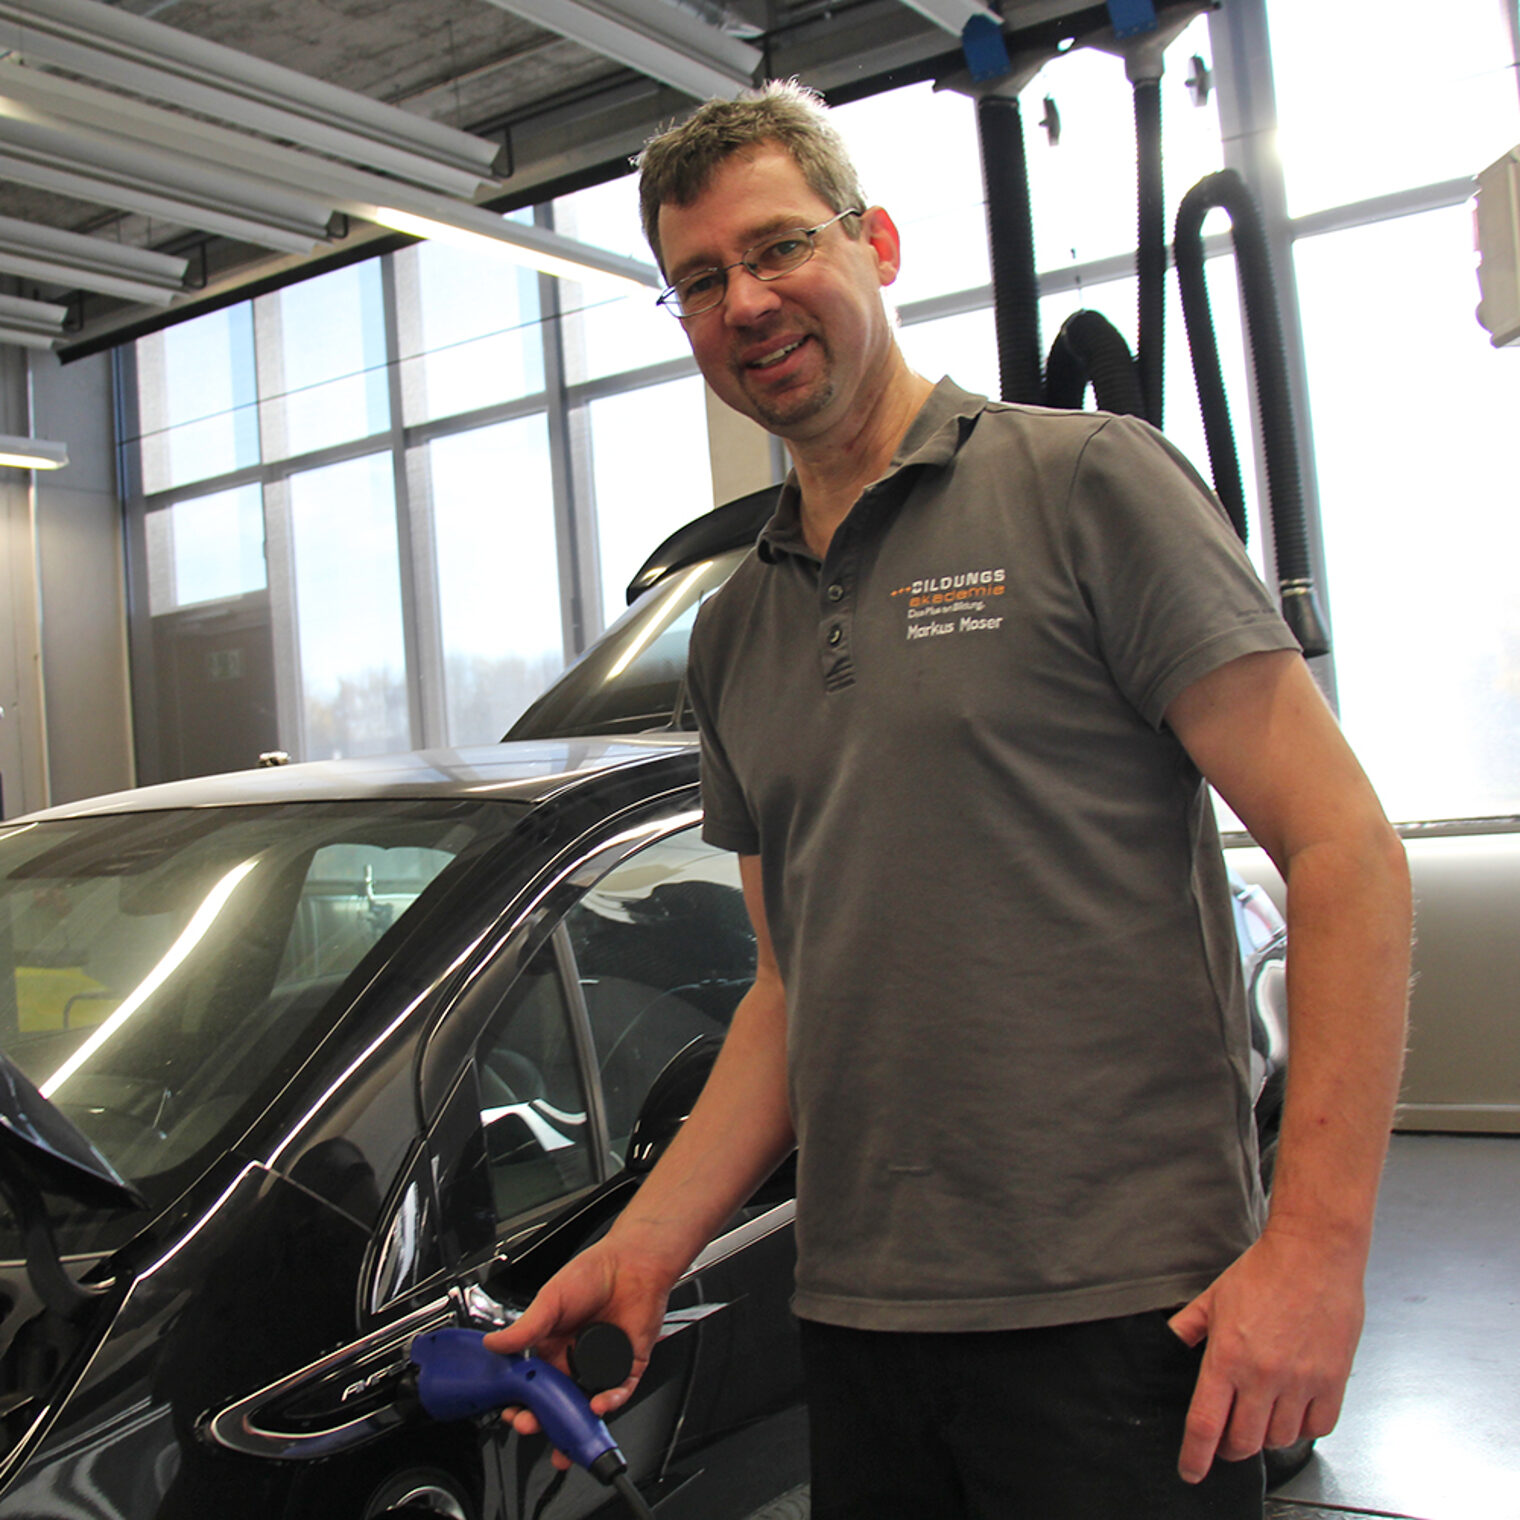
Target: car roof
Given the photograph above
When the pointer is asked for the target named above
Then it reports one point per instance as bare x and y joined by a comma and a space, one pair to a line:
526, 771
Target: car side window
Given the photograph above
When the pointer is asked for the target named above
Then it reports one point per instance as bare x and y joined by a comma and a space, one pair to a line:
664, 950
532, 1102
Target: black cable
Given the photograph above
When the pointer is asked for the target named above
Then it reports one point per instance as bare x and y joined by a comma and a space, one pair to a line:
632, 1497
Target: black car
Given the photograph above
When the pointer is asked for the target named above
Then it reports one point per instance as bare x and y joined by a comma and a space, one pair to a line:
368, 1048
370, 1041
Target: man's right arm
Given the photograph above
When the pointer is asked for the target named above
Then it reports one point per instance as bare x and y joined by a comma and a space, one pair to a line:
739, 1131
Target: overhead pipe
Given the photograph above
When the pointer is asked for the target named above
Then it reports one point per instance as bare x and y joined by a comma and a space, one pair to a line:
1229, 192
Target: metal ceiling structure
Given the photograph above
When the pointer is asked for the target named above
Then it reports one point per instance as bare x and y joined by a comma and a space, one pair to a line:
159, 158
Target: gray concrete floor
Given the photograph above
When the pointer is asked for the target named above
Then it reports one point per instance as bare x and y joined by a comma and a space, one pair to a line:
1431, 1425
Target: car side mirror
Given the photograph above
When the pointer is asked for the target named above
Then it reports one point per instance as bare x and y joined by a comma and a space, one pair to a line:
41, 1151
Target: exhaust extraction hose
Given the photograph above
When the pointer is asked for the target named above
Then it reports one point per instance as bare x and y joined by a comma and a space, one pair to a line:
1010, 230
1150, 252
1089, 349
1290, 537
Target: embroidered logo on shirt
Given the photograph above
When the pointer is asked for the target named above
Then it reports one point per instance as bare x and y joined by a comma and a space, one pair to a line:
964, 602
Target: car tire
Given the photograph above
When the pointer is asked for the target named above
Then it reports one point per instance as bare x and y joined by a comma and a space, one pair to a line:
420, 1493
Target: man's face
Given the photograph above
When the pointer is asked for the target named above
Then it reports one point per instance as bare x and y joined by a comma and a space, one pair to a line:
804, 353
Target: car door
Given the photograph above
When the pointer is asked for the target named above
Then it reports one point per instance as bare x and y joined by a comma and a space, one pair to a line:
648, 950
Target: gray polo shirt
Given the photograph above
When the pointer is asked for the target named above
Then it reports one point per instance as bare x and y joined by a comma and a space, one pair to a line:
1018, 1051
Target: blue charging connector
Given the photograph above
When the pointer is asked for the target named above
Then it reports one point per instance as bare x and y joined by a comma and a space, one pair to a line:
458, 1378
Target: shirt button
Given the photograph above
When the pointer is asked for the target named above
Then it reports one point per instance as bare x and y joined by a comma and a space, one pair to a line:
835, 634
835, 592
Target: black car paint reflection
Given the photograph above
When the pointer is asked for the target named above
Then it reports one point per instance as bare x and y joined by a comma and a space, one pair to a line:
361, 1106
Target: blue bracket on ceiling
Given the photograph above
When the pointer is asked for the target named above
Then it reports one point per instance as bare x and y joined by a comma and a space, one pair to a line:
1131, 16
985, 51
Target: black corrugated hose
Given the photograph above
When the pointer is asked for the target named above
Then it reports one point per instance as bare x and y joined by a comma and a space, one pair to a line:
1010, 229
1218, 432
1290, 537
1150, 249
1089, 349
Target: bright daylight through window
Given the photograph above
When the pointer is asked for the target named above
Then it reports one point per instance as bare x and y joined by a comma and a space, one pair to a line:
416, 487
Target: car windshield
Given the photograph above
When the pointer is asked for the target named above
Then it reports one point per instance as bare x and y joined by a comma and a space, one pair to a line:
633, 679
161, 973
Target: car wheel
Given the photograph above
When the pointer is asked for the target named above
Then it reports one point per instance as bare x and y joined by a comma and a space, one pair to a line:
419, 1492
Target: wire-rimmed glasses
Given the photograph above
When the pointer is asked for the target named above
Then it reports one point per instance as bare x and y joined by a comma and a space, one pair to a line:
779, 254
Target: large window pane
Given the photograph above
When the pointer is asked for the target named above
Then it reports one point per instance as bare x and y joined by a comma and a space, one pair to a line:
1373, 97
964, 347
348, 609
469, 328
651, 473
197, 399
322, 374
498, 574
206, 549
1082, 187
609, 325
1413, 421
917, 155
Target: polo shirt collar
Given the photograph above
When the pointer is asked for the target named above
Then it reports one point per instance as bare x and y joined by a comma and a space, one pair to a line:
933, 439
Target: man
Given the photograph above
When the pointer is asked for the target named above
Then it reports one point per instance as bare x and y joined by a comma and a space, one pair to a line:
957, 713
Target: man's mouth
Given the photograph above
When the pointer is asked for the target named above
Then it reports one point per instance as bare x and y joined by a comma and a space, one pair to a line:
775, 358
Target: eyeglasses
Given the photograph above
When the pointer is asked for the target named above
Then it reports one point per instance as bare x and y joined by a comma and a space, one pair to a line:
704, 289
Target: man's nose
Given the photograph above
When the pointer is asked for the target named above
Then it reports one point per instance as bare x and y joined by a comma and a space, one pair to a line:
748, 298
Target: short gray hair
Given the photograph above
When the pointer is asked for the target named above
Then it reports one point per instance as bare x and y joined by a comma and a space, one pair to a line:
677, 165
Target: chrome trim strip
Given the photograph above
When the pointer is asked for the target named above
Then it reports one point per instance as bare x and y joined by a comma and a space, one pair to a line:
236, 1427
746, 1235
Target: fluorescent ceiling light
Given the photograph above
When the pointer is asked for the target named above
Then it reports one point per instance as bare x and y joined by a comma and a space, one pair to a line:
55, 257
32, 453
30, 324
48, 152
148, 202
652, 36
952, 15
105, 43
202, 156
537, 247
34, 133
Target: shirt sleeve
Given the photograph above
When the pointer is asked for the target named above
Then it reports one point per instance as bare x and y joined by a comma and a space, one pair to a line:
1173, 594
726, 818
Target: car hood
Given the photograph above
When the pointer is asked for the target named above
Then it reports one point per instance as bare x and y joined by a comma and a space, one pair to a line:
527, 771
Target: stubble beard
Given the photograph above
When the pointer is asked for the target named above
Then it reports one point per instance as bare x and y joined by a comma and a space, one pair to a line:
785, 413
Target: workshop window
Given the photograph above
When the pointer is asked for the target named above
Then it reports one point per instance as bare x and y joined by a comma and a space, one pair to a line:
490, 494
351, 651
197, 399
467, 328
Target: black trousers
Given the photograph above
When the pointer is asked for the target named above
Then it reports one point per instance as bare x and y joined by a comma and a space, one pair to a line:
1075, 1422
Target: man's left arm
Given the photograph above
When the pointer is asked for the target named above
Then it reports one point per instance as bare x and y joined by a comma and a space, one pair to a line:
1282, 1323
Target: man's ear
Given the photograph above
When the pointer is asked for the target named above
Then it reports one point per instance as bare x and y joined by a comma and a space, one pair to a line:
880, 233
